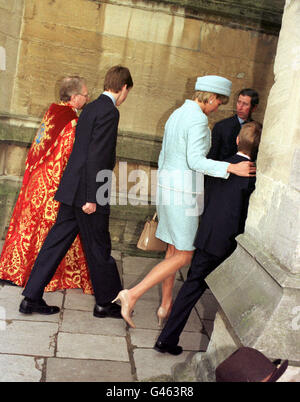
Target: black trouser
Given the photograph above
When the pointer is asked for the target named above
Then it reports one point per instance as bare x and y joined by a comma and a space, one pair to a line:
95, 237
202, 264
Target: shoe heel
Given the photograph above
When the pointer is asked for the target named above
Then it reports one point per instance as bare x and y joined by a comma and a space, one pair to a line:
116, 299
125, 311
162, 316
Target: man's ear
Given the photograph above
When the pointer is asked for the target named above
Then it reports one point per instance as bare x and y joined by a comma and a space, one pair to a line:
253, 109
237, 140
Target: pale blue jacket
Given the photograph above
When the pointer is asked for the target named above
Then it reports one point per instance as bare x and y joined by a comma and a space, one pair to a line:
186, 142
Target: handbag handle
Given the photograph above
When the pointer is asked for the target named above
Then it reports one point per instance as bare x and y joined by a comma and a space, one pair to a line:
154, 216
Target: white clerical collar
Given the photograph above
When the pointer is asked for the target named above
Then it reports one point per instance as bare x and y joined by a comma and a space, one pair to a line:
110, 95
244, 155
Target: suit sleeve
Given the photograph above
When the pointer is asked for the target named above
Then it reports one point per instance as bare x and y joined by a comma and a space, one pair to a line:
196, 152
214, 152
245, 204
102, 150
239, 209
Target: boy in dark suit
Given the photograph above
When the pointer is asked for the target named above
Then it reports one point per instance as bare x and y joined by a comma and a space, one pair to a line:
224, 216
80, 211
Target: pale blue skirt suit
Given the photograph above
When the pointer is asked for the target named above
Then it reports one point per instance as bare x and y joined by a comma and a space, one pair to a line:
181, 166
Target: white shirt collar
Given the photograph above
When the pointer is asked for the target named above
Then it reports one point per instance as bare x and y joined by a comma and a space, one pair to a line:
107, 93
244, 155
240, 120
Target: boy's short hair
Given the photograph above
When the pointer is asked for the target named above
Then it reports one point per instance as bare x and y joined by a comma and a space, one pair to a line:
116, 77
249, 139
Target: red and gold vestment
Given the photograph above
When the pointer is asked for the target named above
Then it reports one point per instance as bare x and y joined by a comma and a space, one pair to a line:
36, 210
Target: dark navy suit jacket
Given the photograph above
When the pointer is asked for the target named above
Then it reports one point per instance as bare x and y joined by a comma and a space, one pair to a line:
223, 139
94, 150
225, 211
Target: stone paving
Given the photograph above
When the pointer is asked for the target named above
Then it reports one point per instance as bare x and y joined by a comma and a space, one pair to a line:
74, 346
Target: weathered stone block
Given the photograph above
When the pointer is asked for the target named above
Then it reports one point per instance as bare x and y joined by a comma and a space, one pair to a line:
82, 370
9, 191
139, 24
89, 346
259, 300
15, 160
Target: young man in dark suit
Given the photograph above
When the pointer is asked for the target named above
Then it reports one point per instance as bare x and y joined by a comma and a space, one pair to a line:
80, 211
224, 216
224, 133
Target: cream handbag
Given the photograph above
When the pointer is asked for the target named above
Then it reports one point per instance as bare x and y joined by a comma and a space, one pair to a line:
147, 240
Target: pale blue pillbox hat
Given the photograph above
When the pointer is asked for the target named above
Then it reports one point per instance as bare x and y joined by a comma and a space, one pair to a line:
215, 84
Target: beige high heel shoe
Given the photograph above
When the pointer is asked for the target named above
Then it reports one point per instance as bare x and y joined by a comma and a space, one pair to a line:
125, 310
162, 315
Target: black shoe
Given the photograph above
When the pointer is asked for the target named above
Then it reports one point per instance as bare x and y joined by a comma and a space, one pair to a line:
112, 310
40, 306
163, 347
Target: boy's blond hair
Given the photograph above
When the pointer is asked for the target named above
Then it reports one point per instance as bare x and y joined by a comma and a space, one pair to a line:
249, 139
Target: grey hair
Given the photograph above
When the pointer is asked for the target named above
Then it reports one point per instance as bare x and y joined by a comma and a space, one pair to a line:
71, 85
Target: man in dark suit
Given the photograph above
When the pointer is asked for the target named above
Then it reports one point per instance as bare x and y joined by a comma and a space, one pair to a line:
224, 216
224, 133
80, 211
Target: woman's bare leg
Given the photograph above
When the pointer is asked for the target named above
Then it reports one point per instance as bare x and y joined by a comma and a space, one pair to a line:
174, 260
167, 292
168, 283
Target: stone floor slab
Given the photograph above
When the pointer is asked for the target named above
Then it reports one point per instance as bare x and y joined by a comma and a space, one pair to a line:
190, 341
29, 338
83, 322
292, 374
144, 315
75, 346
77, 300
77, 370
152, 365
97, 347
193, 341
20, 368
143, 338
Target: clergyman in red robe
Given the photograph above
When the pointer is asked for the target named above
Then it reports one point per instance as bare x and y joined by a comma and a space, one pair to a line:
36, 210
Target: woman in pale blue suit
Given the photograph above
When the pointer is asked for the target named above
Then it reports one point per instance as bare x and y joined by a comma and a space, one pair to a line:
182, 164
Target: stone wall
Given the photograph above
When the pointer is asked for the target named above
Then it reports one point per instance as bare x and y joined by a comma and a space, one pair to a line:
11, 13
166, 45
